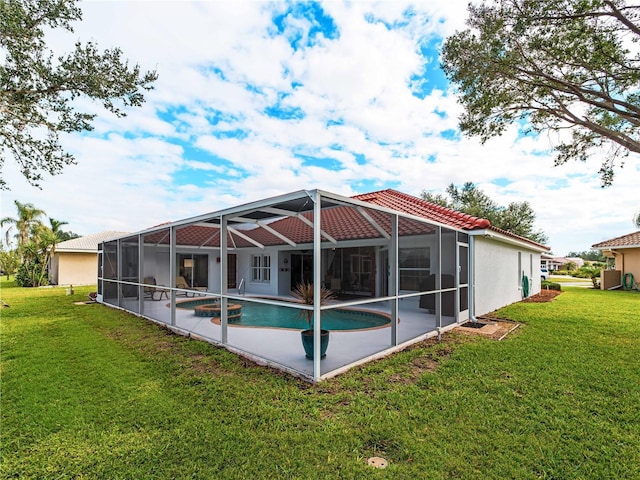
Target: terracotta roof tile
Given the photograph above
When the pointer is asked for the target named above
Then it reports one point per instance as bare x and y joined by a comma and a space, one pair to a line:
342, 223
629, 240
402, 202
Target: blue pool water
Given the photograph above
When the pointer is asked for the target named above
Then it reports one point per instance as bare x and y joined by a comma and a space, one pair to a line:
274, 316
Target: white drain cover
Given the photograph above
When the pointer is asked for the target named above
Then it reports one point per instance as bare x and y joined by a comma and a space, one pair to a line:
378, 462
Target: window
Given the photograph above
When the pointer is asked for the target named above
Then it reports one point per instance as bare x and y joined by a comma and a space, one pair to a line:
520, 272
261, 268
414, 265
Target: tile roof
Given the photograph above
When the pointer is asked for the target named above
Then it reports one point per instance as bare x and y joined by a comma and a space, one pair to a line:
341, 223
421, 208
88, 243
625, 241
402, 202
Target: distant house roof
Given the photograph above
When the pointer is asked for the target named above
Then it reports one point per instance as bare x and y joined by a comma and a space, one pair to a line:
88, 243
631, 240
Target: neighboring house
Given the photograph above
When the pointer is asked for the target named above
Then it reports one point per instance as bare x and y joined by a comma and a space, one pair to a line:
625, 251
577, 261
429, 268
75, 261
552, 263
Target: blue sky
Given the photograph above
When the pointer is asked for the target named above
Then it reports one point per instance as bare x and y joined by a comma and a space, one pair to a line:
256, 99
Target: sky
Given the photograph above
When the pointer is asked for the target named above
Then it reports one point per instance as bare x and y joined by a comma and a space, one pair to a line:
256, 99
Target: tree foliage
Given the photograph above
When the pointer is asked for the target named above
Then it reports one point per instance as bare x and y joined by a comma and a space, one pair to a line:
553, 65
38, 92
9, 261
517, 217
589, 255
35, 247
28, 218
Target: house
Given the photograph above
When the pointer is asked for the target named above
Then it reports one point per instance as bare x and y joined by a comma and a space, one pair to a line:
549, 262
552, 263
425, 268
625, 252
75, 261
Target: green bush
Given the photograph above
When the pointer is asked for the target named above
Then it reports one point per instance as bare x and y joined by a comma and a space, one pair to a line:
32, 274
547, 285
23, 276
561, 272
591, 272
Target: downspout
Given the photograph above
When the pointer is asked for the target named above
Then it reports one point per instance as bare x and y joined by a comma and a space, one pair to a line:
472, 278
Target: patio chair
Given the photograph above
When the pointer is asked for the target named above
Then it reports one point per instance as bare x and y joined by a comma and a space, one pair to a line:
151, 291
182, 283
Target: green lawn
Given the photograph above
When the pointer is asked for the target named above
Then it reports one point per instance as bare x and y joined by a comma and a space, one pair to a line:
92, 392
569, 279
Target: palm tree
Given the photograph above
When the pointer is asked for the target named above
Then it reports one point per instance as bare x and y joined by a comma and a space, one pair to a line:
28, 218
636, 220
56, 233
55, 227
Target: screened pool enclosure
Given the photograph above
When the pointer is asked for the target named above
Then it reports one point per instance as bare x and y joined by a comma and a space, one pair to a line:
409, 274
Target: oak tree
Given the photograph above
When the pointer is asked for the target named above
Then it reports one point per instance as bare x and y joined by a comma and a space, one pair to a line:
39, 92
517, 217
555, 66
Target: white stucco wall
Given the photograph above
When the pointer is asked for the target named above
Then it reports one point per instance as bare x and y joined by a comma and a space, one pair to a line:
497, 275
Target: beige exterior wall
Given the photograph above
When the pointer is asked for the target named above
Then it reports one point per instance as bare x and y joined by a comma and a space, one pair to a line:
77, 268
628, 261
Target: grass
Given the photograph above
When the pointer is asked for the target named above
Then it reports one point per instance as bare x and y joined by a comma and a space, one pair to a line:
93, 392
569, 279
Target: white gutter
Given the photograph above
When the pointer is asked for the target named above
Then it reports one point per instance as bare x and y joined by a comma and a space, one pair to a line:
503, 238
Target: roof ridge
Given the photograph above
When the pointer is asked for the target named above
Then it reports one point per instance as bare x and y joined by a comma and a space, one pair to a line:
476, 222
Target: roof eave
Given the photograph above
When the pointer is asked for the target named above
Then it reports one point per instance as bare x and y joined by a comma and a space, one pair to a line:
616, 247
513, 240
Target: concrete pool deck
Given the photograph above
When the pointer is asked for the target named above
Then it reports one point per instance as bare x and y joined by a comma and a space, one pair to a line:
282, 348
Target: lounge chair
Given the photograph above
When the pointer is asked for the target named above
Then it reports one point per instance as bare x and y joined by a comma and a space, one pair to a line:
151, 291
181, 282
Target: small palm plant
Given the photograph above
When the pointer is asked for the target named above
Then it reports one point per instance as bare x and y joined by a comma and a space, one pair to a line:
303, 292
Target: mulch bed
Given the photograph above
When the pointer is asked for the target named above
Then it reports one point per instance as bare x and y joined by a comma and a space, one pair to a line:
543, 296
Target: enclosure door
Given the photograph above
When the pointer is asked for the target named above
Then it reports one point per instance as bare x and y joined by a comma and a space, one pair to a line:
99, 297
463, 281
384, 274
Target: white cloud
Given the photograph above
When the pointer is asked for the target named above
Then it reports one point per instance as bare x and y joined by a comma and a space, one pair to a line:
220, 67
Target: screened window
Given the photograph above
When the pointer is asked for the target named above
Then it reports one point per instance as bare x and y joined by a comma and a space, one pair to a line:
414, 265
261, 268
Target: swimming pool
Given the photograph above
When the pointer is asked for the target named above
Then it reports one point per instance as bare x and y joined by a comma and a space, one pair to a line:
275, 316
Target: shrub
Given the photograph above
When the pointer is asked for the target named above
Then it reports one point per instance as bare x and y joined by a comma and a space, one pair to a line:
547, 285
23, 276
592, 272
32, 274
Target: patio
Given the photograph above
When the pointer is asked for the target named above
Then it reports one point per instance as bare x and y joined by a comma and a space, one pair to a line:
282, 348
413, 269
